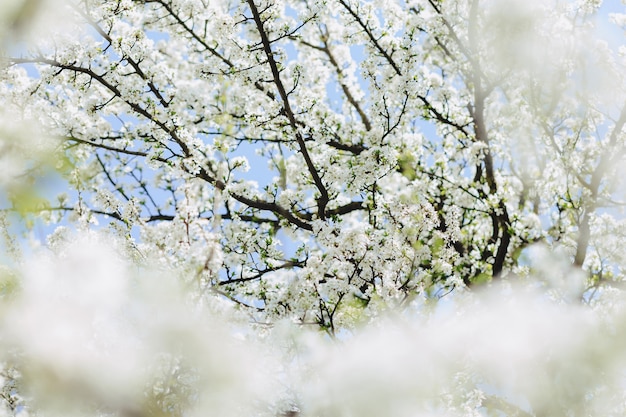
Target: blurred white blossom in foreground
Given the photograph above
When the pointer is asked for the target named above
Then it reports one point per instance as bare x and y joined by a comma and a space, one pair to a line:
95, 335
93, 331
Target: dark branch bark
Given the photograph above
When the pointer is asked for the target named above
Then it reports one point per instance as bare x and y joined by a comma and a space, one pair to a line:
324, 198
607, 160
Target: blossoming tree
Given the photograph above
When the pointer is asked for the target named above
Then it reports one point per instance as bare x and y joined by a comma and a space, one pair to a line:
323, 161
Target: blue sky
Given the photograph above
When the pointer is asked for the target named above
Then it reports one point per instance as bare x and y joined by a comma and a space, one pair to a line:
260, 172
